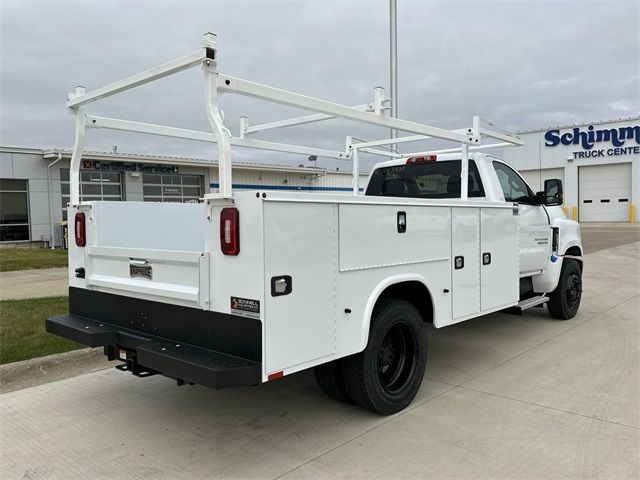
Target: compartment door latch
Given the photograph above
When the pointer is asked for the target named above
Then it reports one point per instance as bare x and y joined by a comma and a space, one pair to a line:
281, 285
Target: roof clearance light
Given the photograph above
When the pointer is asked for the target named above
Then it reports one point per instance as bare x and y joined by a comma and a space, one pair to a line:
425, 159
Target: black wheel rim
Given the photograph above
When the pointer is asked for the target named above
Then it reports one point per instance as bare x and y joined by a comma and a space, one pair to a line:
573, 289
396, 360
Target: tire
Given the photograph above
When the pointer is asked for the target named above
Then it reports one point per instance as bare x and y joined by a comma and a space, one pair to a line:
387, 375
564, 301
330, 378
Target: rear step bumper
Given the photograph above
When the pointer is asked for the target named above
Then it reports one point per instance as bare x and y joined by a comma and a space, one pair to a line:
186, 363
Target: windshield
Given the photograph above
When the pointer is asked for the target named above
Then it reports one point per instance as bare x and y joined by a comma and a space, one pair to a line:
424, 180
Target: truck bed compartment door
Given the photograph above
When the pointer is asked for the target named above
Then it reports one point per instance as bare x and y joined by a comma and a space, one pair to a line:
300, 268
465, 265
499, 272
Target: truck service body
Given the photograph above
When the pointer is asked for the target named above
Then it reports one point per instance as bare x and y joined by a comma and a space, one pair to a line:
245, 287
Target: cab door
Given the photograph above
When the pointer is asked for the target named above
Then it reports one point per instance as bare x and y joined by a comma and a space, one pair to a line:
534, 231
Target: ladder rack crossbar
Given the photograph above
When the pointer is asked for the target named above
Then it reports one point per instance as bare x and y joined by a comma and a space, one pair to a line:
161, 71
185, 134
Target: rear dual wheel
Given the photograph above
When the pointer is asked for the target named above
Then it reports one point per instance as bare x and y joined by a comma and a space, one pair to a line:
387, 375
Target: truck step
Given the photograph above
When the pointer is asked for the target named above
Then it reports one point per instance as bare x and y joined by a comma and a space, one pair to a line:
532, 302
199, 365
527, 303
147, 354
82, 330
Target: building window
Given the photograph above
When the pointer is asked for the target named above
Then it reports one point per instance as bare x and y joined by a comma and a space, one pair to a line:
171, 188
94, 186
14, 210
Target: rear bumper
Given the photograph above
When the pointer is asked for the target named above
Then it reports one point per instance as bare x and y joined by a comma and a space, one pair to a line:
192, 346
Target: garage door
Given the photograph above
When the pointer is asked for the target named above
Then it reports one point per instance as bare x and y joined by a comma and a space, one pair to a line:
536, 178
604, 193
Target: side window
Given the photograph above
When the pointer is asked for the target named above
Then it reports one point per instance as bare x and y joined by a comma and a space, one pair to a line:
514, 188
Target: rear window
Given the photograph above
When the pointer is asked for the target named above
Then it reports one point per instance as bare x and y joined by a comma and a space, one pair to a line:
424, 180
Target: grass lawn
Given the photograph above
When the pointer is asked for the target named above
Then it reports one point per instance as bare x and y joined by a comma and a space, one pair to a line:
31, 258
22, 333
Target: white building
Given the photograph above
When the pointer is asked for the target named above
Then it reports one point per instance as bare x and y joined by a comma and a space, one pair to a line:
599, 163
34, 185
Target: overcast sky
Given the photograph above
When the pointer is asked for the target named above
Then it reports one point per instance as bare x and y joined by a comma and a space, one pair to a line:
521, 64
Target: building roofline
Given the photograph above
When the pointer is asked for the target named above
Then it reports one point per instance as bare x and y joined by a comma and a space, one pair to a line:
20, 150
50, 153
164, 159
583, 124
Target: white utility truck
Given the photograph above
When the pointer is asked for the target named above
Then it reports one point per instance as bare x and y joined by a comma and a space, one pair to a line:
243, 288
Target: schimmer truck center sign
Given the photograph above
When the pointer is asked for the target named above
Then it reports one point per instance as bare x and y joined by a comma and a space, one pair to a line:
619, 138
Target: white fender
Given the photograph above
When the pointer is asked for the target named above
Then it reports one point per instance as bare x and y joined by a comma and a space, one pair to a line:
375, 295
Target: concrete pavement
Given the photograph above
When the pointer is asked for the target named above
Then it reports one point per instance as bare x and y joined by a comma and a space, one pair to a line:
45, 282
598, 236
504, 397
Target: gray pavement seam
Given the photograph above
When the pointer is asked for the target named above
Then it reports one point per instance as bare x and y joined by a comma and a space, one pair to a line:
569, 412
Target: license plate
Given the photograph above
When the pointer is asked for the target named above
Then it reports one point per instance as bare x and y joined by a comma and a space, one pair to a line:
137, 270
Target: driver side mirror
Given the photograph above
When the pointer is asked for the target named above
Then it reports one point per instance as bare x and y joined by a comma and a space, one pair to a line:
552, 194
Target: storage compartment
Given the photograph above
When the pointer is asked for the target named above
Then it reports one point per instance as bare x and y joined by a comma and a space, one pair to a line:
371, 235
499, 269
300, 244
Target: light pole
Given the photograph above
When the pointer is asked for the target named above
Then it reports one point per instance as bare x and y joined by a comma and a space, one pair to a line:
393, 61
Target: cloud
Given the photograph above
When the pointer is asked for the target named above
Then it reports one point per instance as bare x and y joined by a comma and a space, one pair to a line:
522, 65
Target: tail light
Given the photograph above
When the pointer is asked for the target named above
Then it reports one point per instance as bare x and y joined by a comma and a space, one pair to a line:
427, 158
80, 229
230, 231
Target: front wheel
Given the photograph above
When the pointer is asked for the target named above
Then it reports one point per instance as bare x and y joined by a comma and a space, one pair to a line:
564, 301
386, 376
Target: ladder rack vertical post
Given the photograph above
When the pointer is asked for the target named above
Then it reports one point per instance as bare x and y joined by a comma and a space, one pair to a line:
78, 148
464, 173
355, 181
244, 124
214, 115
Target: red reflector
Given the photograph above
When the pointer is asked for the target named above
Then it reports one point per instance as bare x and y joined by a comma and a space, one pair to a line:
230, 231
80, 230
428, 158
276, 375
